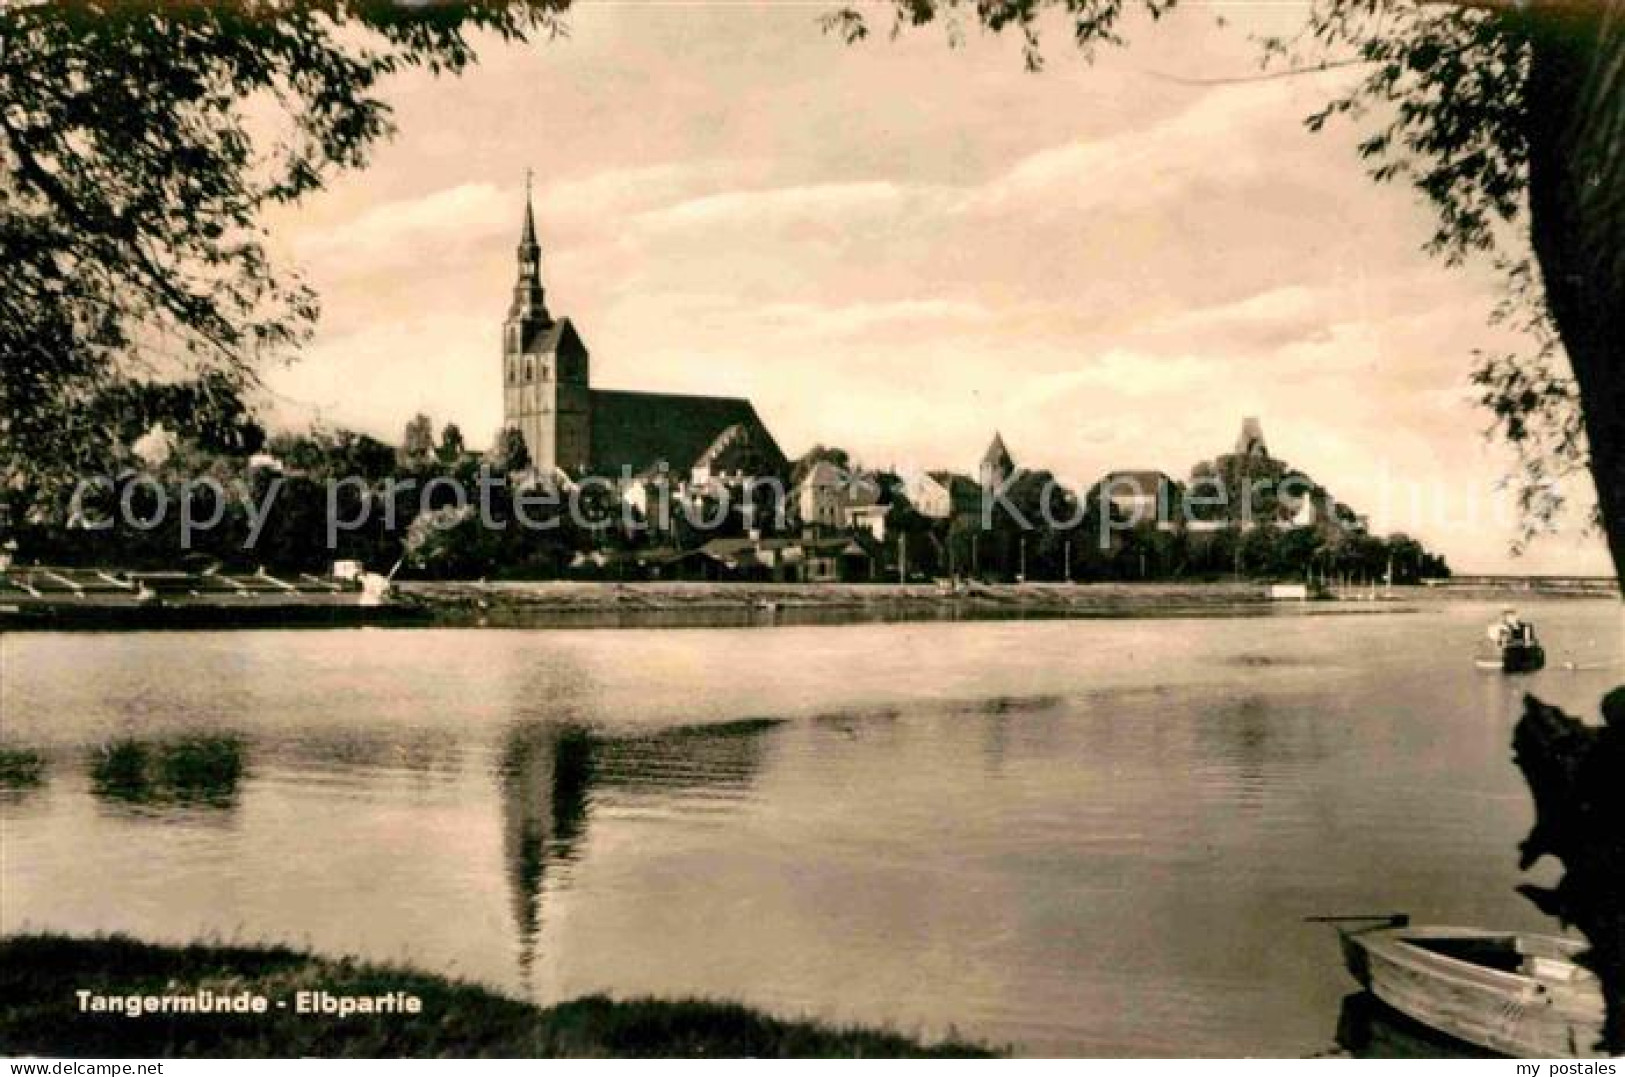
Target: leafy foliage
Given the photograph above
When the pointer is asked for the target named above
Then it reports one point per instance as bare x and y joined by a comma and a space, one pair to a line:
417, 440
1094, 22
1443, 84
139, 143
508, 453
1534, 404
451, 448
1442, 87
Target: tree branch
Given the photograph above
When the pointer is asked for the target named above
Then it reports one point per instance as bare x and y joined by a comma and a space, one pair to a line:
1265, 76
1519, 7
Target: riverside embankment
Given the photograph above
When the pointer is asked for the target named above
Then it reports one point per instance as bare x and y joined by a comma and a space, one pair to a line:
609, 603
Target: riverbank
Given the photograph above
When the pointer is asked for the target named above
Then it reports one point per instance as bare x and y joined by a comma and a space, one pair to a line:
563, 601
42, 978
559, 603
96, 600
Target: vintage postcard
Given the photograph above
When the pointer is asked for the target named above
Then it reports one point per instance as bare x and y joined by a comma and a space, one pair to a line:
1027, 528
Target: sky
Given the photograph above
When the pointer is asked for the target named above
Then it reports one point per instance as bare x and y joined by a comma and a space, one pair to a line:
902, 246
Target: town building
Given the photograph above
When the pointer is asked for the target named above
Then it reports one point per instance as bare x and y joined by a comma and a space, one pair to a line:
832, 498
1250, 442
997, 464
832, 559
572, 429
948, 495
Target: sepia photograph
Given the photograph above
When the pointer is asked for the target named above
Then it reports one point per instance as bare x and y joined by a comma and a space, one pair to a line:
774, 529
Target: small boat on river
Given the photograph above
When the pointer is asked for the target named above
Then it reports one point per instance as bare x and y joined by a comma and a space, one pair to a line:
1515, 994
1512, 658
1511, 647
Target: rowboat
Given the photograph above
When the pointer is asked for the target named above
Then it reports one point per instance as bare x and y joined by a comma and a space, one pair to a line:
1511, 646
1515, 994
1511, 658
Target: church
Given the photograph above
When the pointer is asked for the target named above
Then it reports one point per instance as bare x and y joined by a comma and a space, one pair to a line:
572, 429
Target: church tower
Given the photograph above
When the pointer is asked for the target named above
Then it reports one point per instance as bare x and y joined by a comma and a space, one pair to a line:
545, 393
997, 464
1250, 442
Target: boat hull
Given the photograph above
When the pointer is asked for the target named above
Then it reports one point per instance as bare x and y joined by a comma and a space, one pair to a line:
1513, 660
1542, 1007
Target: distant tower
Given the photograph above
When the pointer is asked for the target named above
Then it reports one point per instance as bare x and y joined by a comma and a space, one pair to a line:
1250, 442
545, 369
997, 465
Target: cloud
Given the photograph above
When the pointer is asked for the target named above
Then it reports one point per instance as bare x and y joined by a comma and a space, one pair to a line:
443, 364
1117, 374
469, 213
471, 216
826, 204
899, 249
814, 320
612, 194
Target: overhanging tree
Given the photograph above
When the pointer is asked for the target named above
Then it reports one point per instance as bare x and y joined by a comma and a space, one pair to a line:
140, 142
1509, 117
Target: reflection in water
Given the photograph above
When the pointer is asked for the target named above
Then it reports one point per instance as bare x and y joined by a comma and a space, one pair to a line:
699, 760
195, 771
1082, 836
1256, 749
551, 775
1367, 1028
427, 754
546, 783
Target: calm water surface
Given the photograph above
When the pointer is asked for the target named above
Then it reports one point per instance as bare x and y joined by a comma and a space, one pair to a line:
1093, 837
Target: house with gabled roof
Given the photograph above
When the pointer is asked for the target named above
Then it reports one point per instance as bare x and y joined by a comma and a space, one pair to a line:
943, 495
834, 498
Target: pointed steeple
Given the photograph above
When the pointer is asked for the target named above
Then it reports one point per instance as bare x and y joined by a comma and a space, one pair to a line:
996, 462
528, 237
1250, 442
529, 298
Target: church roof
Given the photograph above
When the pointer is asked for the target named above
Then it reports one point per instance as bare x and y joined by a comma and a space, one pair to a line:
823, 473
736, 447
636, 430
997, 458
547, 339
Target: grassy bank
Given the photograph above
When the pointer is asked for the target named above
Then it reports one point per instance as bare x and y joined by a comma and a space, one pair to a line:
40, 1012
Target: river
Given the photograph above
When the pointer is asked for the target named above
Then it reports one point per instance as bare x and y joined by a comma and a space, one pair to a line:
1092, 837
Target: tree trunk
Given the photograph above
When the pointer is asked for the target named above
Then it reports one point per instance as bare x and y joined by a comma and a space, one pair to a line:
1575, 126
1574, 771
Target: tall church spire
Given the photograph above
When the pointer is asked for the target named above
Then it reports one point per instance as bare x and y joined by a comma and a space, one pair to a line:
529, 299
528, 238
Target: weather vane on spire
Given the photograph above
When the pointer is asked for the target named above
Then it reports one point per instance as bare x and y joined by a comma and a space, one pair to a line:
527, 237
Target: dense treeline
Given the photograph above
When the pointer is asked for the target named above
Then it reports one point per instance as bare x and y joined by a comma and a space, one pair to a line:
171, 490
